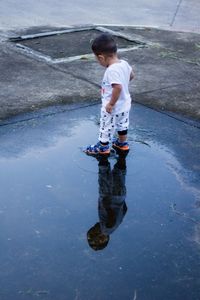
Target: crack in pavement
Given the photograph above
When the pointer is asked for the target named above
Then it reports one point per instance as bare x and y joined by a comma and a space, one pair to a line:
176, 12
57, 68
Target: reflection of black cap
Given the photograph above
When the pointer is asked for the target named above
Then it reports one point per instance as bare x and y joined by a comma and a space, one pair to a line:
96, 239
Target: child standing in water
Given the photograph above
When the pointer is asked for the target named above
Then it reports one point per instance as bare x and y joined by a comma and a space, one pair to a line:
116, 100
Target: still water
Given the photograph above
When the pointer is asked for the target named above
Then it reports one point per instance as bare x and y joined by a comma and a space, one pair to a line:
74, 227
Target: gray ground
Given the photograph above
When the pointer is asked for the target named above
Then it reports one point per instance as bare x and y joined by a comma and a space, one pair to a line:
167, 72
167, 69
171, 14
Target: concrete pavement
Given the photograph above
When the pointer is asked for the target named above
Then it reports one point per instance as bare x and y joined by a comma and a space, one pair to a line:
176, 15
166, 63
167, 68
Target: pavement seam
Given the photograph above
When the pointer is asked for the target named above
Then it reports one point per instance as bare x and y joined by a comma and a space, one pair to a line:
56, 67
172, 115
157, 27
176, 12
17, 41
60, 69
49, 64
39, 115
163, 88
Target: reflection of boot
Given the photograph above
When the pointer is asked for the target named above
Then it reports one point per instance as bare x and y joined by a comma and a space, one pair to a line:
118, 176
103, 161
121, 152
104, 178
120, 164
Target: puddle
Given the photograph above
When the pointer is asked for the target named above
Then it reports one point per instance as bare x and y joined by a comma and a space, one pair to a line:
53, 195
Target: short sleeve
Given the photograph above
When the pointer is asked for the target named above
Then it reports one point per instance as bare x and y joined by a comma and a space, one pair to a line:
130, 68
114, 77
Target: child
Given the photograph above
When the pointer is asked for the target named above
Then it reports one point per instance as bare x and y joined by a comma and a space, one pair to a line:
116, 100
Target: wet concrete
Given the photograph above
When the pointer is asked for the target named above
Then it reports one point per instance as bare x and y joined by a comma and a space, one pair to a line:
51, 196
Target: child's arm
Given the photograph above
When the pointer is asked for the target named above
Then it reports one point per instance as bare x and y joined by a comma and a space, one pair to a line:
116, 90
132, 75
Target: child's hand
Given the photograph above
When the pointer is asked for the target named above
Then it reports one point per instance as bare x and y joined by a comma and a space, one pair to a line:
116, 90
109, 108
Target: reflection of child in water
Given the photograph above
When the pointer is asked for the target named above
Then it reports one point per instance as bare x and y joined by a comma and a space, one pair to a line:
111, 204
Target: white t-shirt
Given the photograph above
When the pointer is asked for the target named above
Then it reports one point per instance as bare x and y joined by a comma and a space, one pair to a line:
117, 73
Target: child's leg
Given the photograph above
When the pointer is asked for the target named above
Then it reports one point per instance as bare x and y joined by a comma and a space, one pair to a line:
122, 136
122, 124
105, 134
106, 127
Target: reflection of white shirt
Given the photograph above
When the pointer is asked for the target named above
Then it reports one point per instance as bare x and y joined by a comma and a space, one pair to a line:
117, 73
118, 209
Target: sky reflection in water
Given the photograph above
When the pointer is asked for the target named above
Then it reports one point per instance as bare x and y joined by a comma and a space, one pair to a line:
52, 194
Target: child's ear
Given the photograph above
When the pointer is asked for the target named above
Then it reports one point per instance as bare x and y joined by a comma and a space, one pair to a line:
100, 57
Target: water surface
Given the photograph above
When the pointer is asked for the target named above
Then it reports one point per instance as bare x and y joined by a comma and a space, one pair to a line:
52, 194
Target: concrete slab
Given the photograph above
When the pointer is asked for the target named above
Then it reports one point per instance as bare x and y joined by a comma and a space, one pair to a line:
174, 15
167, 72
67, 44
50, 193
26, 84
187, 13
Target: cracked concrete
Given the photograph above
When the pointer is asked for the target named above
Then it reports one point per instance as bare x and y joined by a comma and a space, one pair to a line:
167, 74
